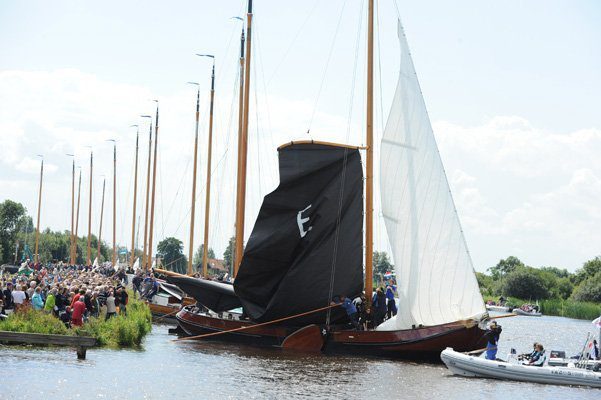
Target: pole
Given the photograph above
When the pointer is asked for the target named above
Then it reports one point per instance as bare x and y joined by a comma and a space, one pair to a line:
71, 261
77, 218
193, 209
154, 184
208, 188
133, 214
369, 165
90, 211
37, 233
145, 249
114, 258
242, 149
101, 218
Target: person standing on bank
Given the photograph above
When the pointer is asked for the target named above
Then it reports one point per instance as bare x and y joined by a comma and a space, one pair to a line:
492, 334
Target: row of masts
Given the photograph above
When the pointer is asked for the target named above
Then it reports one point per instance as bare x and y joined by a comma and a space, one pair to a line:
243, 120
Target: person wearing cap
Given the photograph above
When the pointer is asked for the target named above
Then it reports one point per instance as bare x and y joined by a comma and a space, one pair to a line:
492, 335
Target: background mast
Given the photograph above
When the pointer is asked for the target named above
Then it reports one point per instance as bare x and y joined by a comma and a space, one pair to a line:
242, 149
37, 233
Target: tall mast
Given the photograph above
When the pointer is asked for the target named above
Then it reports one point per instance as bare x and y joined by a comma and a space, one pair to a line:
133, 214
242, 148
71, 262
114, 259
193, 209
37, 233
154, 184
208, 188
145, 249
101, 218
369, 164
77, 219
90, 211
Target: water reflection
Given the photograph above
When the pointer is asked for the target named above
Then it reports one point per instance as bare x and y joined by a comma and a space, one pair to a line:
164, 369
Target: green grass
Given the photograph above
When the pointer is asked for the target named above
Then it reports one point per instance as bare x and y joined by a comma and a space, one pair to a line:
558, 307
120, 331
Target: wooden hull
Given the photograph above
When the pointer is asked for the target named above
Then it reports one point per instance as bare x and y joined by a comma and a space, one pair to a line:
160, 311
415, 344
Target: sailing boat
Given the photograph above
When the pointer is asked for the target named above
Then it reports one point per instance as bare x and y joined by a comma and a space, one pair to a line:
306, 247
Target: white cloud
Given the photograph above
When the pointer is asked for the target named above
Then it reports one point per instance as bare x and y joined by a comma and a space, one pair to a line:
526, 192
518, 189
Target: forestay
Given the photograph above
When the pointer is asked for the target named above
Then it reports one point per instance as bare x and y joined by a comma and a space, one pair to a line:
436, 280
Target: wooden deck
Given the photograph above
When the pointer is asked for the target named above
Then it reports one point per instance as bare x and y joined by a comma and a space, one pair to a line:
81, 343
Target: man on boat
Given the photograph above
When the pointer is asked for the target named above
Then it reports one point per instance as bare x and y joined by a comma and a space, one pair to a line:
390, 301
492, 335
351, 311
538, 356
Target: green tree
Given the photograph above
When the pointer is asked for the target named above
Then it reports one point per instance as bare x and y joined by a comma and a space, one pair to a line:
486, 283
505, 266
589, 289
228, 254
589, 269
381, 262
11, 219
171, 252
199, 253
524, 283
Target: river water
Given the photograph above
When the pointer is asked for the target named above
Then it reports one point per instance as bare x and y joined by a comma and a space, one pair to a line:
164, 369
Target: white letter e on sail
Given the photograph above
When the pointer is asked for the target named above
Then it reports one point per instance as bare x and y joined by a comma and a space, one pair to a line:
301, 221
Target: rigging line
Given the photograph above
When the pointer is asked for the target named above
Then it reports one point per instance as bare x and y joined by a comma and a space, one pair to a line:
300, 29
161, 191
225, 153
323, 78
337, 235
270, 165
123, 213
396, 7
380, 133
257, 128
354, 80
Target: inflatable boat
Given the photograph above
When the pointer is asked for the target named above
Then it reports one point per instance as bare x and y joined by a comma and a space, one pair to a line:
473, 366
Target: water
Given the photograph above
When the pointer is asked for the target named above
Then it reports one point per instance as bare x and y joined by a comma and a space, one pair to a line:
165, 369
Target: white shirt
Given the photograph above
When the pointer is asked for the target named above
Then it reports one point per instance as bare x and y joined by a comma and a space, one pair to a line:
19, 296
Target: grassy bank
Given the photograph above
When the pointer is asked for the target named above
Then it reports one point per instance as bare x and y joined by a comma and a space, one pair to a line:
558, 307
121, 331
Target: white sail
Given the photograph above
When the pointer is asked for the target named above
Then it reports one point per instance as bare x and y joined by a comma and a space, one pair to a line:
435, 276
136, 265
95, 263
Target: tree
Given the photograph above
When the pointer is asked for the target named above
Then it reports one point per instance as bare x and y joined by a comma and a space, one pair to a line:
524, 283
11, 218
589, 269
228, 254
381, 262
589, 289
171, 252
485, 283
199, 253
505, 266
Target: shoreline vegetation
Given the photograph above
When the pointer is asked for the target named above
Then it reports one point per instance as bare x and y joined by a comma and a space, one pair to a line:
556, 291
117, 332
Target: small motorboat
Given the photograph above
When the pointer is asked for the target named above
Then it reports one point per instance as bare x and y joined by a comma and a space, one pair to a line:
527, 311
495, 308
473, 366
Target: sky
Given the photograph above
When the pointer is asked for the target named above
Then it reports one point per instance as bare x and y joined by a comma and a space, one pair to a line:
512, 88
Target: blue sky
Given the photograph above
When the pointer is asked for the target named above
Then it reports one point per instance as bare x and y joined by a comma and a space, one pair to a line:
512, 88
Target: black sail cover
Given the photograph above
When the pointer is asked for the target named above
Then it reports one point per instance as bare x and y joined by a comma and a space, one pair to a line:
308, 235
